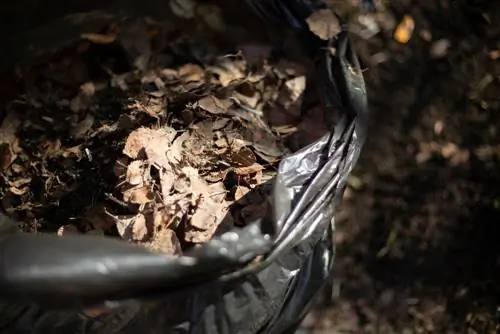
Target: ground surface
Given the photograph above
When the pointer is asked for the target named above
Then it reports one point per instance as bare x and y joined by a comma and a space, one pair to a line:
417, 235
417, 240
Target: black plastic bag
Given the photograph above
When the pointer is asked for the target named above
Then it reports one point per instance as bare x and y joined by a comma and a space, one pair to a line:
258, 279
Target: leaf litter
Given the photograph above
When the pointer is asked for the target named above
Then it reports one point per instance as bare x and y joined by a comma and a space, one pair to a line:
159, 145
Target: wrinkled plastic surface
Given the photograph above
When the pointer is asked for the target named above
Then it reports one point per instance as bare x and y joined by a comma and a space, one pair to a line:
259, 279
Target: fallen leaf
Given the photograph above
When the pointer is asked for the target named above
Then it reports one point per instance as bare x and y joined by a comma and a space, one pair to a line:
8, 141
138, 195
136, 171
404, 30
20, 182
254, 168
205, 220
124, 225
439, 49
244, 157
73, 152
324, 24
165, 241
183, 8
18, 191
139, 228
153, 142
80, 129
174, 152
191, 73
213, 105
100, 38
240, 192
229, 71
67, 230
167, 179
296, 87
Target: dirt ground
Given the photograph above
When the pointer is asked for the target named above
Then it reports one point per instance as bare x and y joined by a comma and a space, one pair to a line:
417, 239
417, 248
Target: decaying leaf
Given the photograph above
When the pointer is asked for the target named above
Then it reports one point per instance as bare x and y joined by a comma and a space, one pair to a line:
138, 195
254, 168
191, 73
151, 140
136, 173
139, 228
67, 230
9, 147
213, 105
183, 8
404, 30
100, 38
171, 183
165, 241
324, 24
240, 192
81, 128
243, 158
229, 71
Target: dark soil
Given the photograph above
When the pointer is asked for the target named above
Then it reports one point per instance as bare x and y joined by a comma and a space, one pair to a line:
417, 240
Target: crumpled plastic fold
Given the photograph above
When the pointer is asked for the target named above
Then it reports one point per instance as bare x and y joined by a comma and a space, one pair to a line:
257, 279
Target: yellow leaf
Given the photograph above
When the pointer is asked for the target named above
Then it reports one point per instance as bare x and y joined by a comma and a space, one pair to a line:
404, 30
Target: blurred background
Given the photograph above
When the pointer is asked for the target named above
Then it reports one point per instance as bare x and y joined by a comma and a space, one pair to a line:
417, 238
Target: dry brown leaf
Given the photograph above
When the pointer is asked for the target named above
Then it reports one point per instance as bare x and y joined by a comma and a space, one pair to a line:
189, 181
174, 153
153, 142
89, 88
167, 179
123, 225
8, 140
138, 195
205, 213
191, 73
80, 129
18, 192
17, 168
213, 105
220, 123
240, 192
244, 157
183, 8
139, 228
165, 241
100, 38
324, 24
67, 230
254, 168
73, 152
229, 71
136, 173
296, 87
20, 182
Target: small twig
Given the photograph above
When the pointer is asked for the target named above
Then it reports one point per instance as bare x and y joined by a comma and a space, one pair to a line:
116, 200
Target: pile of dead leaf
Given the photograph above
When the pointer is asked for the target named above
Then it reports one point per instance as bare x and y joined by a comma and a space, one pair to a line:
165, 154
